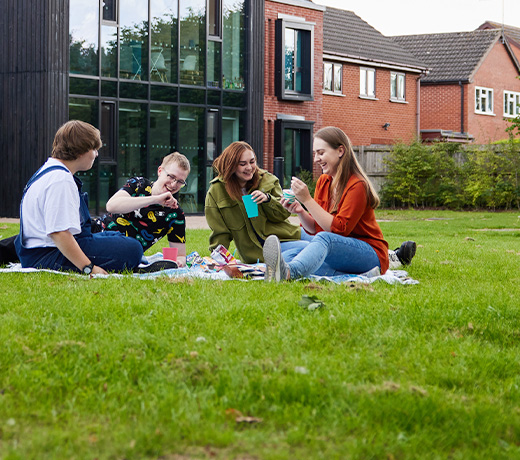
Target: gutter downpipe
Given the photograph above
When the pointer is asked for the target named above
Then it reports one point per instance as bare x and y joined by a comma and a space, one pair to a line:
461, 107
418, 108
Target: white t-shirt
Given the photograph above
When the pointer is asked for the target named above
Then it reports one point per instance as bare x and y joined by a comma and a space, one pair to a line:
50, 205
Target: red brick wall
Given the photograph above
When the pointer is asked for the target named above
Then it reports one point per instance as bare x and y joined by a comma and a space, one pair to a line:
499, 73
440, 104
363, 119
441, 107
311, 110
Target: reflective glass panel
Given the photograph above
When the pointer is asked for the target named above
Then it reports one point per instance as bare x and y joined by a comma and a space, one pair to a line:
233, 49
337, 77
86, 110
214, 18
131, 155
163, 135
134, 39
110, 10
289, 58
230, 127
191, 144
163, 57
83, 35
192, 41
213, 70
108, 51
327, 76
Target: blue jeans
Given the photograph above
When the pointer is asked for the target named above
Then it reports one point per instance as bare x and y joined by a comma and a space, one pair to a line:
111, 251
328, 254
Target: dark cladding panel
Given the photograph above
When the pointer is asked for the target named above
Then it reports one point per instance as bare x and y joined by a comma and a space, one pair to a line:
34, 89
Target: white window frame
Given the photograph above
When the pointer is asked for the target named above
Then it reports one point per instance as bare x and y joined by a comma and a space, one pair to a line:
511, 104
398, 91
367, 82
484, 100
336, 81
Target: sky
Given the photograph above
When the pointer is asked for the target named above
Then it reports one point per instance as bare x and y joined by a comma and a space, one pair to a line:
406, 17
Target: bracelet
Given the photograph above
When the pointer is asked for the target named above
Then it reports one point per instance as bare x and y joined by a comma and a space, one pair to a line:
268, 197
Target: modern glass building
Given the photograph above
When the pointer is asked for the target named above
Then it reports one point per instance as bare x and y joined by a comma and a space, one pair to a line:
158, 76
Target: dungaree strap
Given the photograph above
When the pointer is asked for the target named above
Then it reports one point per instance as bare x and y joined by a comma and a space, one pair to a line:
32, 180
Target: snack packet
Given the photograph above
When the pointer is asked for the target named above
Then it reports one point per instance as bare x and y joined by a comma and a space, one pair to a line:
222, 256
194, 258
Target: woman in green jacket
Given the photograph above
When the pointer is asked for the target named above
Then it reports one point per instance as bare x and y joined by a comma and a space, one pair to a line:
238, 175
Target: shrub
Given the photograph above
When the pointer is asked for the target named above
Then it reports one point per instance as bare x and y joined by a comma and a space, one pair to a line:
453, 176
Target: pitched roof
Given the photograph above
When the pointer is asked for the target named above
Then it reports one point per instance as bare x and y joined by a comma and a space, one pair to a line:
511, 32
346, 34
451, 56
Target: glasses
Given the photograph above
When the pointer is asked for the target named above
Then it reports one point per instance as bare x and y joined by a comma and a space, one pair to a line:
173, 179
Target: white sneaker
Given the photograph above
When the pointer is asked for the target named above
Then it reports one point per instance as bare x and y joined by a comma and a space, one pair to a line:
275, 267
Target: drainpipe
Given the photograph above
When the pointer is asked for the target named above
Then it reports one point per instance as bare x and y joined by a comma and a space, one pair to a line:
461, 107
418, 108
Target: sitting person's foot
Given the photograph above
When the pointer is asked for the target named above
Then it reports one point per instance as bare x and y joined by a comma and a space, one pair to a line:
156, 266
275, 267
406, 252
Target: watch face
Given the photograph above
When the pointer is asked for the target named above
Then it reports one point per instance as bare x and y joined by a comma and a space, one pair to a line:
87, 270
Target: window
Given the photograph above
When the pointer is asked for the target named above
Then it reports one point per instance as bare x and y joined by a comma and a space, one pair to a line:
367, 82
397, 86
294, 60
110, 10
511, 104
332, 74
293, 142
483, 100
214, 18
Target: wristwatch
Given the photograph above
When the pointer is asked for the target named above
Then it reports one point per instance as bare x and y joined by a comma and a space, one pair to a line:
87, 269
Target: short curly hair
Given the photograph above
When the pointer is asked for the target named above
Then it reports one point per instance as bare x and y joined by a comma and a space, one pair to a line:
74, 139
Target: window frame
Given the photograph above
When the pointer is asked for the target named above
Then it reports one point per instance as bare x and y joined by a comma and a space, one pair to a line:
366, 71
399, 76
333, 81
307, 29
484, 96
515, 95
214, 6
115, 9
306, 127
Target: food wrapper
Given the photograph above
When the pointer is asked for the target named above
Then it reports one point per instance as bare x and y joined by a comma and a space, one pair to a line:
222, 256
194, 258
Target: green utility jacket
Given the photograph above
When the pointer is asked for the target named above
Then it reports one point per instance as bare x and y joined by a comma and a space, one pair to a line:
228, 220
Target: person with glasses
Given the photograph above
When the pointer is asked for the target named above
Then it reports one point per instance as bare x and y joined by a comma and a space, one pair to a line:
148, 211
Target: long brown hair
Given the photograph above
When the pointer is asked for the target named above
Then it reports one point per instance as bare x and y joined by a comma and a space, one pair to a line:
348, 166
226, 165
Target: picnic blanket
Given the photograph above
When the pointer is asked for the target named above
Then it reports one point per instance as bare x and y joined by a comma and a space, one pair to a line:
248, 271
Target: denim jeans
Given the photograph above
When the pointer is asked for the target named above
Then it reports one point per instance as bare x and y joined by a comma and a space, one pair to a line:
328, 254
111, 251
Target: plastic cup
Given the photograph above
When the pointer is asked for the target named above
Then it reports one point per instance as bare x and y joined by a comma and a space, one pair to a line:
288, 194
251, 206
170, 253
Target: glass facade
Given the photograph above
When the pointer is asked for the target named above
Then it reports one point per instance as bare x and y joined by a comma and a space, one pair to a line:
157, 76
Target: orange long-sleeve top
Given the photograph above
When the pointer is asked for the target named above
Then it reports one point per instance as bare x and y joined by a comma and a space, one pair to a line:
354, 217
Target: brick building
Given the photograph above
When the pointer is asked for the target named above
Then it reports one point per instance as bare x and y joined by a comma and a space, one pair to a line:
472, 87
371, 84
292, 82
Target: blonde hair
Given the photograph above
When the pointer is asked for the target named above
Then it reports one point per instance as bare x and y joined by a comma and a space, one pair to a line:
74, 139
226, 164
177, 158
348, 166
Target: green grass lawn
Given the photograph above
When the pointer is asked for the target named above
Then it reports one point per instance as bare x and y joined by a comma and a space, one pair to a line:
149, 369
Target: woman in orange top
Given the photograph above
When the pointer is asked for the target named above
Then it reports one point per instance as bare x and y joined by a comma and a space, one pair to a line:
346, 237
